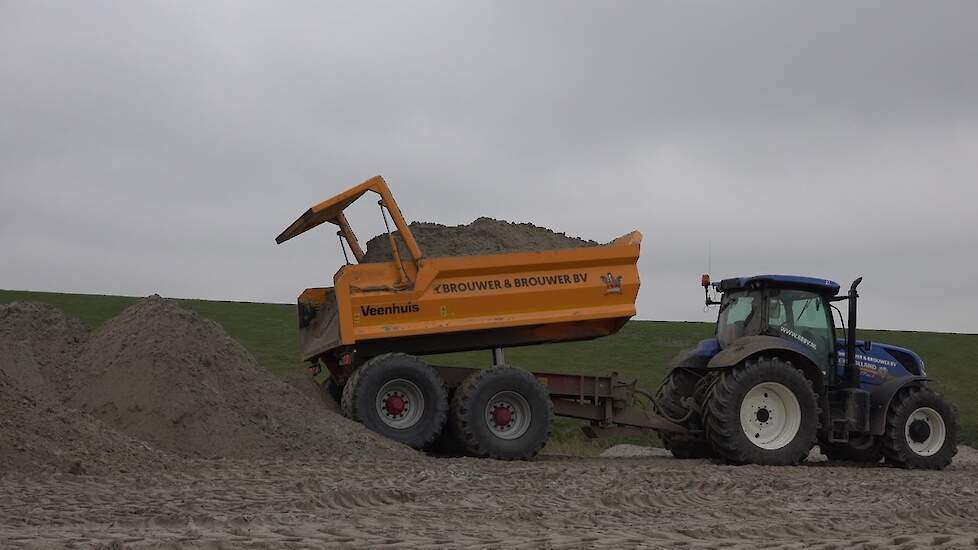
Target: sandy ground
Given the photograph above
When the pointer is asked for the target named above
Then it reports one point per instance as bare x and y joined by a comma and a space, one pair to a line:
162, 432
552, 502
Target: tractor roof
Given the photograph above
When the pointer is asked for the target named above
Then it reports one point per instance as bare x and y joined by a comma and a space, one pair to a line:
821, 286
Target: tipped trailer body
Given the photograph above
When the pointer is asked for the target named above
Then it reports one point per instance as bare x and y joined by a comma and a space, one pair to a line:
424, 305
394, 311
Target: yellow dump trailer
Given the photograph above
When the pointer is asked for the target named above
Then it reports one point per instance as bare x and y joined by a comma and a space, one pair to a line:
369, 328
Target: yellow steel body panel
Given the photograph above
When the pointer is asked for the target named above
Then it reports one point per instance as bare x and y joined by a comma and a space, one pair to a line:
428, 305
478, 293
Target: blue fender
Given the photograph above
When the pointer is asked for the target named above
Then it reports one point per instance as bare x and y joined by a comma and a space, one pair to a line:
749, 346
881, 396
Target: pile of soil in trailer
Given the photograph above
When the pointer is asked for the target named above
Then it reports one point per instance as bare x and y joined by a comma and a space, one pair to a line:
158, 377
37, 347
482, 236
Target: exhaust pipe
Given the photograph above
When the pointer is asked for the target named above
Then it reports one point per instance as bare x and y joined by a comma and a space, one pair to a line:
852, 370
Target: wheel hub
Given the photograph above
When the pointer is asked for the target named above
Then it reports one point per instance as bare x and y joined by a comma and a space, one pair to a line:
770, 415
400, 403
919, 431
503, 416
925, 431
395, 404
508, 415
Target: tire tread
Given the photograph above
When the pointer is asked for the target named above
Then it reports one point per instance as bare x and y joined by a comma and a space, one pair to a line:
353, 386
460, 408
893, 444
722, 412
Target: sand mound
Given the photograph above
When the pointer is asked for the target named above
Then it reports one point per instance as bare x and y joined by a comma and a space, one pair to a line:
154, 380
482, 236
168, 376
37, 346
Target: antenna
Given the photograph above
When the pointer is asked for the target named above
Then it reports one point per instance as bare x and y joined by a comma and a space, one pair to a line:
709, 257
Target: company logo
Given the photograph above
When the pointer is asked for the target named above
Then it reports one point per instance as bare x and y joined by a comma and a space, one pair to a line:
798, 337
613, 282
393, 309
874, 367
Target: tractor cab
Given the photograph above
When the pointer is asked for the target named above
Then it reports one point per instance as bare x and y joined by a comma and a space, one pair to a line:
795, 309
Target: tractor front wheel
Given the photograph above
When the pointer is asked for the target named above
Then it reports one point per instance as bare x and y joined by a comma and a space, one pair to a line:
762, 411
921, 430
398, 396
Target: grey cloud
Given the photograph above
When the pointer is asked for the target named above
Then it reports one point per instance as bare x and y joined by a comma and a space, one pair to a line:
160, 146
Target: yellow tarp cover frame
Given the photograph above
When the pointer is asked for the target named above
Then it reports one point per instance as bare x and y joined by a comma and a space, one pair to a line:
331, 210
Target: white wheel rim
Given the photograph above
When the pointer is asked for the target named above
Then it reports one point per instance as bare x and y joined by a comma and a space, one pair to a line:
400, 403
508, 415
925, 431
770, 415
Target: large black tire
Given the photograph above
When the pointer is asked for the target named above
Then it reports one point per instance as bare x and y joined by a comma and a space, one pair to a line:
679, 399
910, 425
333, 390
490, 402
865, 449
403, 380
759, 380
448, 444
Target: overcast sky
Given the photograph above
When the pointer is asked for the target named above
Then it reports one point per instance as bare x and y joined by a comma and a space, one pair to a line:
160, 147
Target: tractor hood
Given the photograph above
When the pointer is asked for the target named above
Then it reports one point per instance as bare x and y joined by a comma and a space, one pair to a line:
882, 361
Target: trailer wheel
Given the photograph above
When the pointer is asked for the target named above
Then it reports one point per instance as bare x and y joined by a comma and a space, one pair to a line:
448, 444
679, 399
921, 430
503, 413
865, 449
398, 396
763, 411
333, 389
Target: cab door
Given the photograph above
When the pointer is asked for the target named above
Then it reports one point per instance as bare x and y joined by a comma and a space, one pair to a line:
805, 318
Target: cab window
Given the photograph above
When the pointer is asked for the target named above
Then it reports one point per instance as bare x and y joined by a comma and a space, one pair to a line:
803, 317
738, 316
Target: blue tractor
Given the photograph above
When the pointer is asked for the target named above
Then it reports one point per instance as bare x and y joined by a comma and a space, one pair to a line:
775, 381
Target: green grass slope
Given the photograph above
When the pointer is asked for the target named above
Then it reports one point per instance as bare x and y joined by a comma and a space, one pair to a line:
642, 349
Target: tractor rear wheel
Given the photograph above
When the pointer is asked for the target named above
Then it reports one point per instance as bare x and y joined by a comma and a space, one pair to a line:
398, 396
921, 430
679, 399
762, 411
502, 412
865, 449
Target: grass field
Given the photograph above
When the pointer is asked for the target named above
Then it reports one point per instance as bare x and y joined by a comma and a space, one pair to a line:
641, 350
